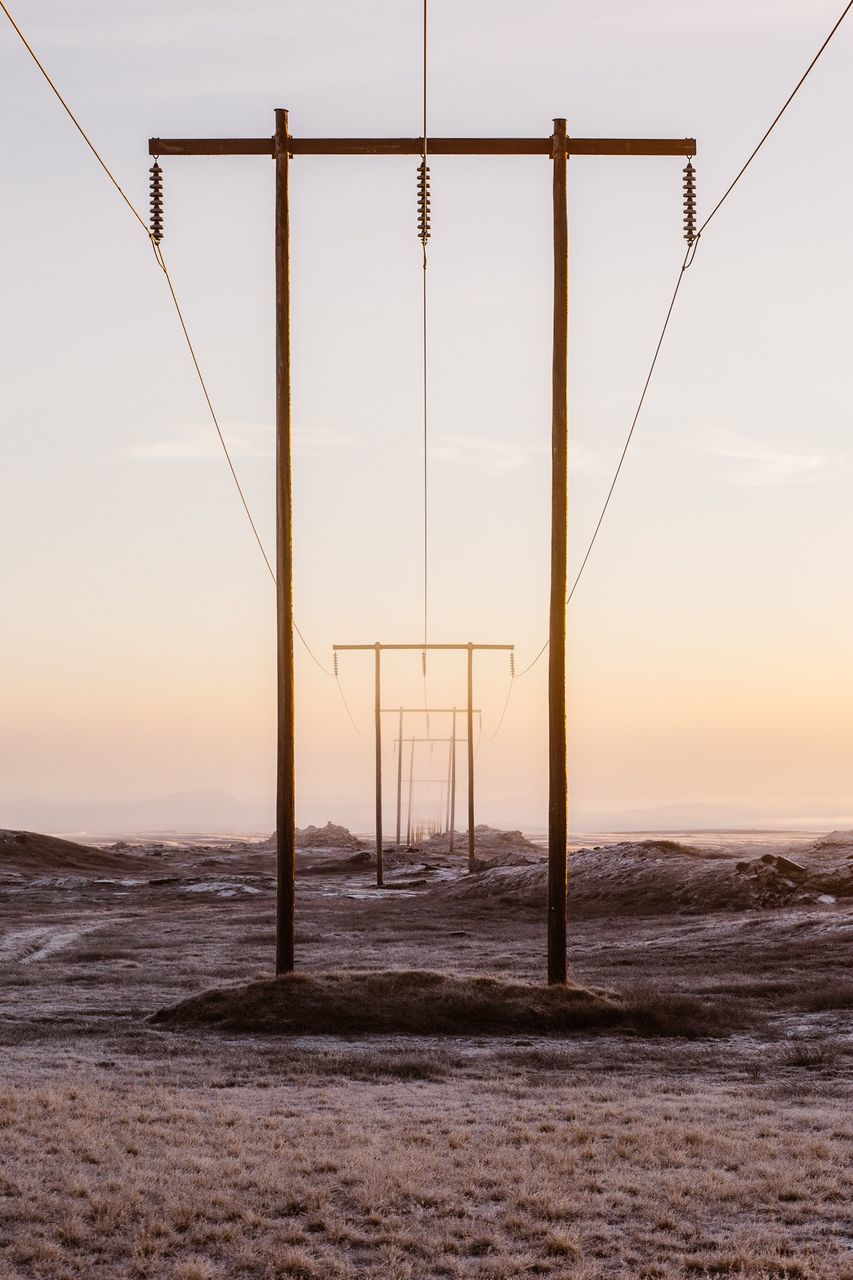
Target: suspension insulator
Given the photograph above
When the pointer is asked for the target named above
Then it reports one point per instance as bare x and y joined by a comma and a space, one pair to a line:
335, 664
689, 203
423, 663
156, 203
512, 664
423, 202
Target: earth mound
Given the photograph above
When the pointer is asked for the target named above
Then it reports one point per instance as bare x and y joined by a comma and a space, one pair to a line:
658, 877
407, 1002
492, 848
33, 853
418, 1002
329, 837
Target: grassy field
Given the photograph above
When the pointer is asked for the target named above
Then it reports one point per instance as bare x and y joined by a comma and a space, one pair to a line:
131, 1150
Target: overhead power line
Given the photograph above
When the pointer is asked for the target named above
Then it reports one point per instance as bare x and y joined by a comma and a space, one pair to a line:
688, 262
77, 125
158, 253
785, 105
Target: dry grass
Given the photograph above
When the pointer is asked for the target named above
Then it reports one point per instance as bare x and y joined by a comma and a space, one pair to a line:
413, 1182
644, 1150
417, 1002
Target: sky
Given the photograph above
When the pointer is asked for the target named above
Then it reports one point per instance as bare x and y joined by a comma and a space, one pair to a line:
709, 640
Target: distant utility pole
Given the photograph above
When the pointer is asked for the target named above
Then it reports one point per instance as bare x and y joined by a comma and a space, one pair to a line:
281, 147
378, 649
401, 712
450, 743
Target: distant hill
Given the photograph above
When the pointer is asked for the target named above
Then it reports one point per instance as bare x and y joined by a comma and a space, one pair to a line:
32, 853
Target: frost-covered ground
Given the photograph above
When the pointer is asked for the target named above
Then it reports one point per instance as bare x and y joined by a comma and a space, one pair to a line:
126, 1150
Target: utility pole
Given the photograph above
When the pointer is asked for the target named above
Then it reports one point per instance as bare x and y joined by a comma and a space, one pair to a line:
411, 785
401, 712
558, 146
285, 809
377, 720
558, 781
452, 782
434, 741
399, 772
378, 649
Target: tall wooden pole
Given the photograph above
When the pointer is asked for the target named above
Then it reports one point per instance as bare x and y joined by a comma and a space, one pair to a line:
557, 754
399, 773
471, 858
377, 720
411, 783
285, 808
452, 780
447, 793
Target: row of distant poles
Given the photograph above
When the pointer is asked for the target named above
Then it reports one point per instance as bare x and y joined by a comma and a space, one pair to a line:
429, 815
283, 148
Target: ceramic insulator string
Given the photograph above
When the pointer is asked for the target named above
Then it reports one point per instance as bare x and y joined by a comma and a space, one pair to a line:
156, 184
689, 203
423, 203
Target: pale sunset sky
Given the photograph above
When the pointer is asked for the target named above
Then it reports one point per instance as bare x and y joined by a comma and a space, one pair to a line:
711, 637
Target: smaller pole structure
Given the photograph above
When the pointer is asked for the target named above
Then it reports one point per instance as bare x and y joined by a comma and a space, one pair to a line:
452, 781
411, 778
447, 794
378, 736
399, 773
468, 648
471, 858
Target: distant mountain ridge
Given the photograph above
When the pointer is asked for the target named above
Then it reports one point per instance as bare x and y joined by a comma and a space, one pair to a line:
181, 811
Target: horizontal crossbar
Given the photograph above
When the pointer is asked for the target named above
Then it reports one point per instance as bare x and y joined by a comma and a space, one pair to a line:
415, 146
428, 711
432, 740
420, 647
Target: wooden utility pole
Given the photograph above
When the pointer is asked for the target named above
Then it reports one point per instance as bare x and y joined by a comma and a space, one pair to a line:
285, 811
399, 772
472, 861
411, 784
452, 782
401, 712
557, 740
377, 722
558, 146
378, 648
412, 743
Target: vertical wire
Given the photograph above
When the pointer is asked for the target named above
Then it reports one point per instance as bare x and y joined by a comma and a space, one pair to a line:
425, 369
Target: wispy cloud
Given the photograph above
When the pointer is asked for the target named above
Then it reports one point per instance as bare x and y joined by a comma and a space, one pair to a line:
756, 464
199, 442
496, 455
